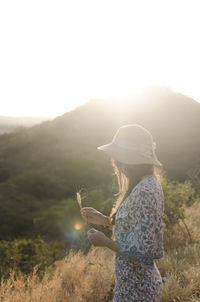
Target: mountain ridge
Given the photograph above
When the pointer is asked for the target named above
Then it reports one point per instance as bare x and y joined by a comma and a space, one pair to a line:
172, 118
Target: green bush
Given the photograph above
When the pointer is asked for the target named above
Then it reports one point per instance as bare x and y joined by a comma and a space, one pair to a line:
177, 197
23, 255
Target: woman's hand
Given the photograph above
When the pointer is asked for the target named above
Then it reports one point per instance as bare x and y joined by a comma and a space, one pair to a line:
97, 238
93, 216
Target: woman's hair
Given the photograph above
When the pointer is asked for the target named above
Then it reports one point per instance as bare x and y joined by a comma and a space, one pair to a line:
128, 176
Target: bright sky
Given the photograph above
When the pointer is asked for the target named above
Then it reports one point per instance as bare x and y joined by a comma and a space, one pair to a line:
57, 54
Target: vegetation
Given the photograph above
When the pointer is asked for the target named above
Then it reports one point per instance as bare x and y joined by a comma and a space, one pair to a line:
177, 197
90, 278
23, 255
58, 223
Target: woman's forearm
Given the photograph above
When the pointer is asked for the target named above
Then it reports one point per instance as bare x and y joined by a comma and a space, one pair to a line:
112, 245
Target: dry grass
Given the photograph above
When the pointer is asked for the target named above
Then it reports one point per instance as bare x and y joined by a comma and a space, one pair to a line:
90, 278
181, 264
193, 221
178, 236
77, 278
181, 267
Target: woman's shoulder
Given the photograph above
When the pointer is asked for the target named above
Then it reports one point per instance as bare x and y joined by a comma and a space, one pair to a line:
148, 188
147, 192
147, 185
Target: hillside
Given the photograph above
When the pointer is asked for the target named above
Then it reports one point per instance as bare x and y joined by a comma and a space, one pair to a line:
173, 119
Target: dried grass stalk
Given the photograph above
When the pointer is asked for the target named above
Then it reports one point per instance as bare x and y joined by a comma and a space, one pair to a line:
78, 196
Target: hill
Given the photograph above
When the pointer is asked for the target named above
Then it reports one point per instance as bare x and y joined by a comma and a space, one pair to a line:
173, 119
42, 167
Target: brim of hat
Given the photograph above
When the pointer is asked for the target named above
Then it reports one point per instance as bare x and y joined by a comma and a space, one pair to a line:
128, 156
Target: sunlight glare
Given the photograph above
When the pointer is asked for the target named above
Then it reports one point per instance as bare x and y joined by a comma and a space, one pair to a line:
78, 226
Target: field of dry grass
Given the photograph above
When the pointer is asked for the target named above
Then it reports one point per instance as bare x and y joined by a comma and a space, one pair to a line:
90, 278
77, 278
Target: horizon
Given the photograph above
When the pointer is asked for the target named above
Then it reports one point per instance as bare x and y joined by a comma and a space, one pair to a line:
112, 99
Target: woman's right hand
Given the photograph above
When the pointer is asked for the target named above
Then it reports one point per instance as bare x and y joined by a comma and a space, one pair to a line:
93, 216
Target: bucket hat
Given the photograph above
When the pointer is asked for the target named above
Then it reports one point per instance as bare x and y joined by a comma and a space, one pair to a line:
132, 144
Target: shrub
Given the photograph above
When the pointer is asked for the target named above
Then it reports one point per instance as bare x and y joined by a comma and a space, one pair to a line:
177, 197
23, 255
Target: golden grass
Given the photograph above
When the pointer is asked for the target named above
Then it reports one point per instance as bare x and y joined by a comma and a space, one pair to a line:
193, 221
181, 267
77, 278
90, 278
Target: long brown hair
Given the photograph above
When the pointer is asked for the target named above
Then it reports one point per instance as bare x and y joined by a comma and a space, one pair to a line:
128, 176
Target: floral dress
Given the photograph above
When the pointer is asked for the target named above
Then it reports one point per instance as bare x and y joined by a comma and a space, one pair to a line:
139, 234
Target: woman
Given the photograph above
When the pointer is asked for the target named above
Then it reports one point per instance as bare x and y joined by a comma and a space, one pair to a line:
137, 216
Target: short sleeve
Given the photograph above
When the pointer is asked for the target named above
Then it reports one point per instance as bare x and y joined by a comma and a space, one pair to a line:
143, 240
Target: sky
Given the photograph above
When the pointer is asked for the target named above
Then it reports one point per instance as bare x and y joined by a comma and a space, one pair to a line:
56, 55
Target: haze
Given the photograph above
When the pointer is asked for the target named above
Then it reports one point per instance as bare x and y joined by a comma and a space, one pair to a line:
55, 55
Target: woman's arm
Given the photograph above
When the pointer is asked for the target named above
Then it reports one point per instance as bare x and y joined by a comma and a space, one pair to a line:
98, 238
95, 217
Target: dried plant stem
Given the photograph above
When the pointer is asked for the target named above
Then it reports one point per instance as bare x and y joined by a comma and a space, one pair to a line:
78, 195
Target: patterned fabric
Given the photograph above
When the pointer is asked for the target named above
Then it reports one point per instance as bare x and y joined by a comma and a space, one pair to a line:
139, 233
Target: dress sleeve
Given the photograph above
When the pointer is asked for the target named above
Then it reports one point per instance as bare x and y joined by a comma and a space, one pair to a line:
144, 221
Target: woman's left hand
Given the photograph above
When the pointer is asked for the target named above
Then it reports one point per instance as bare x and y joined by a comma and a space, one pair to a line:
97, 238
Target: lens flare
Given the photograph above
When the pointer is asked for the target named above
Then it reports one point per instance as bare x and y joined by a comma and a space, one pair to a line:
78, 226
